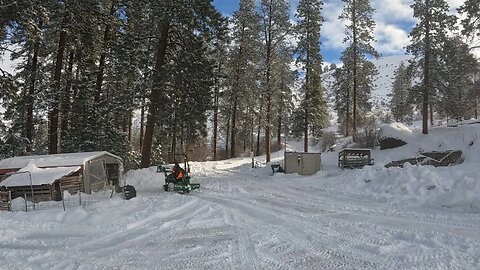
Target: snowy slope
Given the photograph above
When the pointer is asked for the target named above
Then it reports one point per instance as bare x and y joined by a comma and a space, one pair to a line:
386, 67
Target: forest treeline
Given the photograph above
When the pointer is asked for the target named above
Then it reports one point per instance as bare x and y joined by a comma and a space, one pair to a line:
147, 80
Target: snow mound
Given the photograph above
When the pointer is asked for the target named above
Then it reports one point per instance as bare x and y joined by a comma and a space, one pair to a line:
396, 131
454, 186
426, 185
145, 179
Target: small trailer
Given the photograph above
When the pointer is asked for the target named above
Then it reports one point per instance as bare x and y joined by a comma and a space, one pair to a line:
354, 158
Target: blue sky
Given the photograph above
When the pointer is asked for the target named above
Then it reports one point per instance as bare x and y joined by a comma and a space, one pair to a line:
394, 20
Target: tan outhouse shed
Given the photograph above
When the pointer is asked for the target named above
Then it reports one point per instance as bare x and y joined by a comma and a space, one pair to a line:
302, 163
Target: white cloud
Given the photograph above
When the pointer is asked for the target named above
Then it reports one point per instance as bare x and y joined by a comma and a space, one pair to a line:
392, 10
391, 39
333, 29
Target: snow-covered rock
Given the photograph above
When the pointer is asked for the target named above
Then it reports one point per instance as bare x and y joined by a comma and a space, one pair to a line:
393, 135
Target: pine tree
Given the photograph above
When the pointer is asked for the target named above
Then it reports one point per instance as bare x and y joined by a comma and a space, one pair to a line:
359, 36
428, 36
243, 67
89, 62
471, 24
24, 22
219, 53
275, 26
177, 21
313, 106
401, 107
456, 85
283, 86
342, 89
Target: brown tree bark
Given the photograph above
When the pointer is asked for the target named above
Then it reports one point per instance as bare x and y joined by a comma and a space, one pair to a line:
279, 128
31, 94
269, 47
426, 72
54, 111
65, 106
103, 56
227, 135
155, 95
130, 119
476, 103
142, 121
307, 97
215, 117
259, 128
233, 141
354, 23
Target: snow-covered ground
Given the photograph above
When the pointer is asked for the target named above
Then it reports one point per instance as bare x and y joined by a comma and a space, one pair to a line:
244, 218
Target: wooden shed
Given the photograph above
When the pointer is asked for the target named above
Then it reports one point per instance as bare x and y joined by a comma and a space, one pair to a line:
96, 169
46, 184
302, 163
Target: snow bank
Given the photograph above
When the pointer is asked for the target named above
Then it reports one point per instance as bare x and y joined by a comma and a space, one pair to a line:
455, 186
464, 138
145, 179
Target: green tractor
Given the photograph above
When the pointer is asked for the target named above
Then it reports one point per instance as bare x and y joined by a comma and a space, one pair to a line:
177, 178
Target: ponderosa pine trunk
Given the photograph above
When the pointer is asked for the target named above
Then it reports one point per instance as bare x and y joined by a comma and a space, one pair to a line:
155, 95
142, 121
233, 142
279, 128
354, 26
54, 111
259, 127
103, 56
426, 72
66, 95
307, 97
215, 118
31, 94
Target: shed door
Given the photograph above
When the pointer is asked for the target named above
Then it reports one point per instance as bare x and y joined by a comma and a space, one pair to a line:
311, 164
113, 174
293, 163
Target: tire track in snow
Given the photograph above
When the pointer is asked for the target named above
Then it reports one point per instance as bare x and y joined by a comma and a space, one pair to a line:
386, 223
266, 222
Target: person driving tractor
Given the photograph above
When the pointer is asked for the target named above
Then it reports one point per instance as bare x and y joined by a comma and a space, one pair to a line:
177, 171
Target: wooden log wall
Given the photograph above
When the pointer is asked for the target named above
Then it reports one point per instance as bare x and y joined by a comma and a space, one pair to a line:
72, 184
41, 192
5, 201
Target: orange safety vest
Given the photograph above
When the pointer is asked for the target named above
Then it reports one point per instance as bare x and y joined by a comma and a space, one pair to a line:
180, 175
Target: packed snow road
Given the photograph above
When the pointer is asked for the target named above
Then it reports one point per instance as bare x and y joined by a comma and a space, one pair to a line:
242, 219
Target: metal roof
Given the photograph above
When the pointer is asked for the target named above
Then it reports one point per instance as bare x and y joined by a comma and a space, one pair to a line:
55, 160
38, 176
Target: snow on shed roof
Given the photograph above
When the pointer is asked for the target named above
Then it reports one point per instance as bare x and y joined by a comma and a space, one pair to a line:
39, 176
55, 160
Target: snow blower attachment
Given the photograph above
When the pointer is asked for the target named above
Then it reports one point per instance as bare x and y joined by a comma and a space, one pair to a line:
177, 178
129, 192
